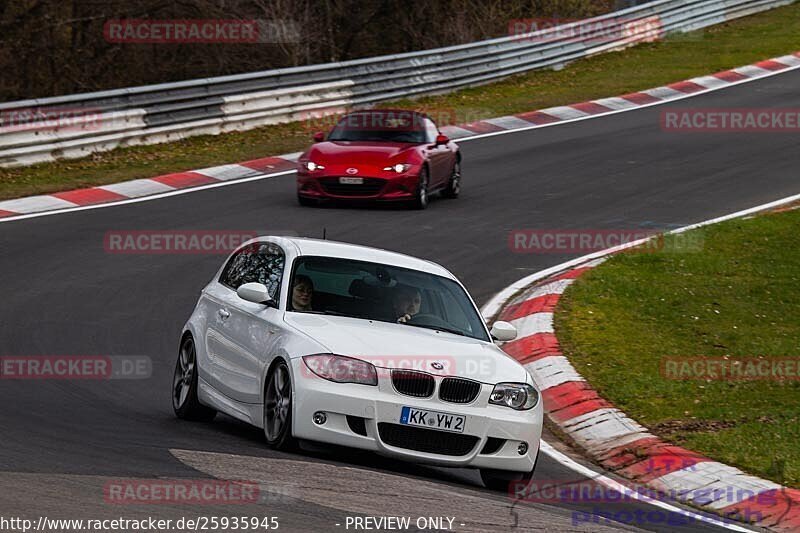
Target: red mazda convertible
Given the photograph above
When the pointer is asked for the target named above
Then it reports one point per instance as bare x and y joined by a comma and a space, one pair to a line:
383, 155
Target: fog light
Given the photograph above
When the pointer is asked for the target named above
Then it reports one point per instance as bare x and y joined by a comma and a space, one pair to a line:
522, 449
320, 418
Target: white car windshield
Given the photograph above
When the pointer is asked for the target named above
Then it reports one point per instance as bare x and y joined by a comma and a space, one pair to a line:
372, 291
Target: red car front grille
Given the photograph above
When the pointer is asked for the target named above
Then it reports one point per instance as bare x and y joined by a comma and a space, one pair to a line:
370, 187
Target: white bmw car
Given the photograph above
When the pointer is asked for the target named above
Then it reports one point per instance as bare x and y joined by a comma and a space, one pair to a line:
360, 347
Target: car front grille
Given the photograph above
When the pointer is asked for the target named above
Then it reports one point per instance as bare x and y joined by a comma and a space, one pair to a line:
426, 440
413, 383
457, 390
370, 187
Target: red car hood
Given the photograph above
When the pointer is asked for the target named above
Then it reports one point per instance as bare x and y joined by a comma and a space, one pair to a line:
351, 153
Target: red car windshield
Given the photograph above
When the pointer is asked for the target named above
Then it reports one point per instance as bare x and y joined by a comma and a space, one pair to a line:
399, 127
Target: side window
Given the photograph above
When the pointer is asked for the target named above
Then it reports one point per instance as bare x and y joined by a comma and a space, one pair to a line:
431, 131
260, 262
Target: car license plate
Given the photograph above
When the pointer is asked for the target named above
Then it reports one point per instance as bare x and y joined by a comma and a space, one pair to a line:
412, 416
351, 181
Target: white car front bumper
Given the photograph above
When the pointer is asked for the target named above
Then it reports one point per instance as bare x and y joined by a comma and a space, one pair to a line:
382, 404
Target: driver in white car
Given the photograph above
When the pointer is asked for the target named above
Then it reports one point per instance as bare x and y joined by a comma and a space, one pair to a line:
302, 293
407, 301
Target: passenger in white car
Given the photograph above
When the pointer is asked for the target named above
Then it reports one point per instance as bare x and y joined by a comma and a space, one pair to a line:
302, 293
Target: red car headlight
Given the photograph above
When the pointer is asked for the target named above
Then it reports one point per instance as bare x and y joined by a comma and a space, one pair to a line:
399, 167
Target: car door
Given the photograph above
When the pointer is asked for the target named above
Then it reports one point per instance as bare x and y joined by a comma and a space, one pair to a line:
241, 335
439, 157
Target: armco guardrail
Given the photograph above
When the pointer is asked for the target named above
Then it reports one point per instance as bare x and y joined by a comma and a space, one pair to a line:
76, 125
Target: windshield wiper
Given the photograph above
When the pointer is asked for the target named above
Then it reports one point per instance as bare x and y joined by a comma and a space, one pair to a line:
329, 312
369, 140
439, 328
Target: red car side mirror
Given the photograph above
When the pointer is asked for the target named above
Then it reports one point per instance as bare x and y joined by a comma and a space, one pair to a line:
319, 137
442, 139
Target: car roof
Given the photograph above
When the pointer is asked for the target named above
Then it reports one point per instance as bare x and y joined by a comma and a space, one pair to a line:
325, 248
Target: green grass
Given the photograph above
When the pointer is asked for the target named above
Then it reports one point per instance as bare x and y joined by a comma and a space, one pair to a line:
740, 297
728, 45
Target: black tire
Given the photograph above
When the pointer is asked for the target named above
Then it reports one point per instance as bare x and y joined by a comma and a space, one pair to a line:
306, 202
278, 408
184, 385
420, 200
453, 188
501, 480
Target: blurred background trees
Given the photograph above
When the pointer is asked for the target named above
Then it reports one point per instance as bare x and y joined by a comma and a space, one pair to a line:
52, 47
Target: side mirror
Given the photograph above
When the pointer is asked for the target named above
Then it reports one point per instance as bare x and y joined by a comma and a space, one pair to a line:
256, 293
319, 137
442, 139
503, 331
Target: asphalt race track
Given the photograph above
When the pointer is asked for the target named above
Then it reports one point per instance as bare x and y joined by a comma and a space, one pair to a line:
61, 441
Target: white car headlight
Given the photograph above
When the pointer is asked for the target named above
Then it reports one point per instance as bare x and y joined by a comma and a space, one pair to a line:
341, 369
519, 396
311, 166
399, 167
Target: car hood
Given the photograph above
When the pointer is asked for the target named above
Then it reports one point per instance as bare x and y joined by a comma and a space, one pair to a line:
354, 153
389, 345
